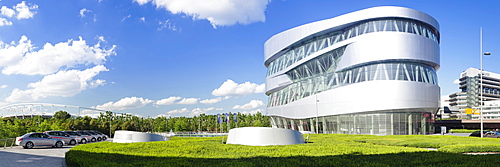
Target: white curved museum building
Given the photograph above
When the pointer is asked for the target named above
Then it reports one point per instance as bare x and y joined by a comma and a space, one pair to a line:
371, 71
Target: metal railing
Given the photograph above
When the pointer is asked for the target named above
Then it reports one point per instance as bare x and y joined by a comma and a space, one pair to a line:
9, 142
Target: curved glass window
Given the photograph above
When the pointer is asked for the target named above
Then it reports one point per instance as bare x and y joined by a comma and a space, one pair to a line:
312, 84
309, 47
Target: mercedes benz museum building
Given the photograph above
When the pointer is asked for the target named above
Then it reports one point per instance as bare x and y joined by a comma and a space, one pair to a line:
371, 71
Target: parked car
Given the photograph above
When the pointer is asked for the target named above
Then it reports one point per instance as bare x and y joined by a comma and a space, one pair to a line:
31, 140
63, 136
99, 136
80, 139
493, 134
478, 134
87, 135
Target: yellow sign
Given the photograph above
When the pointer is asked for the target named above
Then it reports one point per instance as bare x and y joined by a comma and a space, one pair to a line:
472, 111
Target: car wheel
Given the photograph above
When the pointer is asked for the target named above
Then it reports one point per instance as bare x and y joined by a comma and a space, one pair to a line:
84, 141
59, 144
72, 142
92, 140
104, 138
29, 145
99, 139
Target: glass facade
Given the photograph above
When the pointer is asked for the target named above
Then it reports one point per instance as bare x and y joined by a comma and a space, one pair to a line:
379, 123
304, 49
318, 75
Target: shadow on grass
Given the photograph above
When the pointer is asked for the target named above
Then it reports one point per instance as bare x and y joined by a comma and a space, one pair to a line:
84, 159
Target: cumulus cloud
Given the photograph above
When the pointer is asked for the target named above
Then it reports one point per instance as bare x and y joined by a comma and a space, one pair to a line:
217, 12
125, 103
24, 11
3, 86
251, 105
194, 112
62, 84
168, 101
5, 11
212, 101
20, 11
456, 81
253, 111
231, 88
143, 19
188, 101
21, 58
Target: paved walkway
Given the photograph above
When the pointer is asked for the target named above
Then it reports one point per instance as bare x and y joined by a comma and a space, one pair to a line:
17, 156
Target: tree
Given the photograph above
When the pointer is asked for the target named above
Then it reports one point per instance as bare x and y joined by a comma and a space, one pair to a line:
62, 115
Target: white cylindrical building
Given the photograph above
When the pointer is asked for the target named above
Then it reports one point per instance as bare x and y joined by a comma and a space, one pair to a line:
371, 71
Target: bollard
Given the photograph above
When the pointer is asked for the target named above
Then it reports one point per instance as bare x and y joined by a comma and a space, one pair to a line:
5, 144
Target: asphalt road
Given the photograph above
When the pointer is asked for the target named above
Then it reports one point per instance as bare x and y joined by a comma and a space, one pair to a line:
17, 156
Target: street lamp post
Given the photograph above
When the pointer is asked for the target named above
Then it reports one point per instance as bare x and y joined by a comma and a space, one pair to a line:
481, 77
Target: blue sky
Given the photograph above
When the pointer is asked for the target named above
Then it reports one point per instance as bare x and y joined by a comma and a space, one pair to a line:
186, 57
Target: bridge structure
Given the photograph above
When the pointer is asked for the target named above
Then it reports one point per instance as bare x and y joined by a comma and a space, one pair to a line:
26, 110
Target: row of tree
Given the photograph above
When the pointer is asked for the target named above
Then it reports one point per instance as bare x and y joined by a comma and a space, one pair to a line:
109, 122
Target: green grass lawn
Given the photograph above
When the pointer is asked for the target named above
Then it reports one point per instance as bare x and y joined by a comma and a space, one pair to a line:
323, 150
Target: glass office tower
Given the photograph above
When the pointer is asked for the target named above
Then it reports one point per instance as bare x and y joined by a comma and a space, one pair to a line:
372, 71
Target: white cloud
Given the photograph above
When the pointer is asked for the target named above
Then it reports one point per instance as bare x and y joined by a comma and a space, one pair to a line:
3, 86
456, 81
125, 18
211, 101
168, 25
24, 11
168, 101
62, 84
194, 112
141, 2
251, 105
20, 11
230, 88
5, 22
163, 115
217, 12
125, 103
7, 11
83, 11
22, 58
253, 111
143, 19
188, 101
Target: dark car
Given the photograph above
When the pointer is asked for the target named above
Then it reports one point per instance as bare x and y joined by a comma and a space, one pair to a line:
478, 134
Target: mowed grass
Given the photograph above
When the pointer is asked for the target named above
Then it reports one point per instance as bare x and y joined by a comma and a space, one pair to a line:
322, 150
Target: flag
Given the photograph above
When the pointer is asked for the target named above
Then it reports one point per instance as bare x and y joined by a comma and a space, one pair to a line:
227, 118
218, 119
235, 117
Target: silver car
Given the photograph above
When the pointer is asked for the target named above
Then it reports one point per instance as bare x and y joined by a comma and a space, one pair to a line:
31, 140
63, 136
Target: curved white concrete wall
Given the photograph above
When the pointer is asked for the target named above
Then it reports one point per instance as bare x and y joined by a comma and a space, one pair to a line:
123, 136
264, 136
282, 40
383, 95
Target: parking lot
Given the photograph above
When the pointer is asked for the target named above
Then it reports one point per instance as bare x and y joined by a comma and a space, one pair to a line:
42, 156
